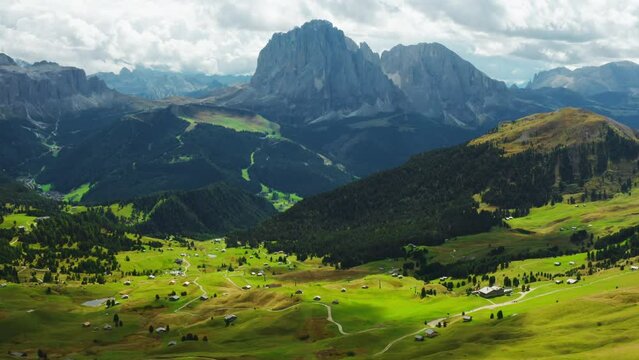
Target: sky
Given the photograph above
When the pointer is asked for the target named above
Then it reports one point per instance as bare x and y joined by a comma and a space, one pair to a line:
509, 40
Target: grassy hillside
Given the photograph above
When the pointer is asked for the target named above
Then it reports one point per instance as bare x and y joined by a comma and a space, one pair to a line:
549, 131
272, 322
229, 118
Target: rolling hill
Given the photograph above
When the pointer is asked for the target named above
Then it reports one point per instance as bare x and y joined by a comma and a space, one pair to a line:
460, 191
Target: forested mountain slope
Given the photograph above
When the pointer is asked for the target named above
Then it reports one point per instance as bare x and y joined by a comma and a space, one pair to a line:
437, 195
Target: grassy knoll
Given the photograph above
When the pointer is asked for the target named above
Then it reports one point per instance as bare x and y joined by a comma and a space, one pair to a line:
545, 132
76, 194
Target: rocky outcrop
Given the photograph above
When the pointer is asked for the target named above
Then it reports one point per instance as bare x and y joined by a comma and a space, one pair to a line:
620, 76
441, 84
46, 89
315, 73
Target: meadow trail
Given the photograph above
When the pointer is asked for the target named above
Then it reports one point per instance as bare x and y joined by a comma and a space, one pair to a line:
329, 317
204, 293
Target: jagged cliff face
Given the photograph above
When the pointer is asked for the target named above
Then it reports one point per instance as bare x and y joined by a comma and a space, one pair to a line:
620, 76
44, 90
439, 83
314, 73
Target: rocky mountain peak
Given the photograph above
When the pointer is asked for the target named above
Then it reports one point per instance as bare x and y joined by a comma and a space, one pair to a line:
440, 83
315, 72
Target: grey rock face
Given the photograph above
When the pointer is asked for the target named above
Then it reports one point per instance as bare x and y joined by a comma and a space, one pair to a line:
47, 89
590, 80
314, 73
439, 83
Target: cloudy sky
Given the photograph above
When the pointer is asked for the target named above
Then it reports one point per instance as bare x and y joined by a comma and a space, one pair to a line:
508, 39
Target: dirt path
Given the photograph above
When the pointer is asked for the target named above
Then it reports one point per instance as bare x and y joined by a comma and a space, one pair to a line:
519, 299
433, 323
329, 317
204, 293
226, 276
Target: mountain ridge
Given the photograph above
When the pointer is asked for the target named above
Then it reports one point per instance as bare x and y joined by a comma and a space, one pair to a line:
439, 194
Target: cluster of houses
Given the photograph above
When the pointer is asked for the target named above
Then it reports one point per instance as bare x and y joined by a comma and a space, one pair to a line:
429, 333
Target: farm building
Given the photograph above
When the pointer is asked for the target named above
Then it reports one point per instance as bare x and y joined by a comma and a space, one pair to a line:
246, 287
317, 298
558, 281
172, 343
204, 297
490, 292
107, 327
125, 296
174, 298
634, 268
228, 319
419, 338
86, 324
151, 277
186, 283
343, 290
298, 292
431, 333
364, 286
557, 263
127, 283
571, 281
160, 330
335, 302
467, 318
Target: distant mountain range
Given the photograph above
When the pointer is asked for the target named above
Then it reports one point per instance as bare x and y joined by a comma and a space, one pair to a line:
157, 84
618, 77
319, 111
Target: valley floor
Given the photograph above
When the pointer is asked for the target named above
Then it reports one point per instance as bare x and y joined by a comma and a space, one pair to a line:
593, 318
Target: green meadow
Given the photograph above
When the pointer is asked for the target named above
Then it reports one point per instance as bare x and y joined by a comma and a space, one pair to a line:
253, 123
75, 195
376, 314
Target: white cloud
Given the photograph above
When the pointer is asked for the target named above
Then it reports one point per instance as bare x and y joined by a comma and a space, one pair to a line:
509, 39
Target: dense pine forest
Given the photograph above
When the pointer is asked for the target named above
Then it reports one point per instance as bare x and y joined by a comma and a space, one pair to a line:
433, 197
214, 210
